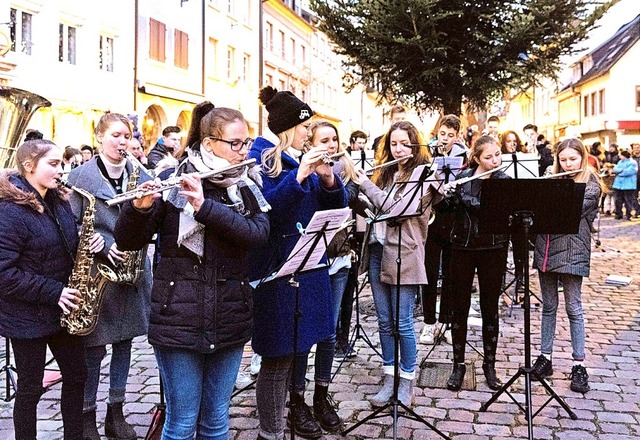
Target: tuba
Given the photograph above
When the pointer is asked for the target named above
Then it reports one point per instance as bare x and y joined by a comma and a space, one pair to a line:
84, 319
16, 109
129, 270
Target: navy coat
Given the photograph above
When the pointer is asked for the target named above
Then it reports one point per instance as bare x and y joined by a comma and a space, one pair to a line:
35, 261
201, 304
274, 302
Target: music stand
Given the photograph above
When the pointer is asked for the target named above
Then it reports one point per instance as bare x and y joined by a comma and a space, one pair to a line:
363, 159
399, 213
524, 207
11, 384
306, 257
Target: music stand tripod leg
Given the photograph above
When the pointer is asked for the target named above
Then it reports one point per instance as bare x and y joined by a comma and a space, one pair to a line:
394, 402
9, 371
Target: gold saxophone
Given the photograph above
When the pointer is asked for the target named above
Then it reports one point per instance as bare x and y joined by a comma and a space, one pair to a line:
83, 320
129, 270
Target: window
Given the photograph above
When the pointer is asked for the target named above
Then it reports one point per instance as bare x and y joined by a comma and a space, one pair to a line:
586, 106
231, 54
268, 37
293, 50
282, 85
180, 49
593, 104
246, 15
229, 7
157, 37
303, 55
106, 53
269, 79
246, 66
601, 102
20, 31
66, 44
213, 44
283, 49
304, 95
638, 98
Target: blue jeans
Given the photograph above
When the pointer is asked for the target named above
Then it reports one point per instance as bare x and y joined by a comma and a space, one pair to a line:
325, 349
118, 373
198, 390
572, 285
384, 297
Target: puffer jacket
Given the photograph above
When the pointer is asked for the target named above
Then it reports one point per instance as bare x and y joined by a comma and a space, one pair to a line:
38, 242
202, 304
626, 174
464, 233
570, 253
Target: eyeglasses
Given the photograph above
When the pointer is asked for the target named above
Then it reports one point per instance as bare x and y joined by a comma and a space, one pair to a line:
235, 145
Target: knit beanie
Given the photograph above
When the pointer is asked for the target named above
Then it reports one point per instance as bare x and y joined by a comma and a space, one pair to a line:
285, 109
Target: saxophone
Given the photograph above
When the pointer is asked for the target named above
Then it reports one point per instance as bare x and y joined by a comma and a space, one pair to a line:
129, 270
84, 319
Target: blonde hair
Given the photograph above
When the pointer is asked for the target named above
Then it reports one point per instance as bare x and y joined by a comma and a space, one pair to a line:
348, 169
587, 171
272, 157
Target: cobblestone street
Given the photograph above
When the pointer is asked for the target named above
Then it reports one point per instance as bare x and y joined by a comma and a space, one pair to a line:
611, 410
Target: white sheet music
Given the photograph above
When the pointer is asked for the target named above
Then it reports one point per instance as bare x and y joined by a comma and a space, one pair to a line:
332, 220
409, 201
454, 163
527, 165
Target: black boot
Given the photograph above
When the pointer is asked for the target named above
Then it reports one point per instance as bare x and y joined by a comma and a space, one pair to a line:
115, 426
490, 376
324, 410
301, 418
457, 376
89, 428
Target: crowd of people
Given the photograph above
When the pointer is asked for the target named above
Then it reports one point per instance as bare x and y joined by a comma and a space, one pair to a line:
217, 231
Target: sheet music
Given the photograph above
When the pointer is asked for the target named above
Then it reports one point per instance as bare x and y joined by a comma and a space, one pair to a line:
361, 161
527, 165
454, 163
415, 189
332, 220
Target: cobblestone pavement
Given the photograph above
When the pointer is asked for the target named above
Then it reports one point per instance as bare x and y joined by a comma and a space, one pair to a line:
611, 410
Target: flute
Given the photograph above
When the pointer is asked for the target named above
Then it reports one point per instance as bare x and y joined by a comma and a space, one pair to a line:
454, 183
392, 162
170, 183
328, 159
565, 173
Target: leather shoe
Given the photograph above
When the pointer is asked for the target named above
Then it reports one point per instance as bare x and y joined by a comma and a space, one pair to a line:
490, 376
457, 376
302, 419
325, 413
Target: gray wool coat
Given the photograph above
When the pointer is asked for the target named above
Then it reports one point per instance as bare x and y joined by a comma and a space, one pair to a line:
570, 253
125, 309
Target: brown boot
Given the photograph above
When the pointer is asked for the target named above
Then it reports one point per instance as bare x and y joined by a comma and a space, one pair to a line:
115, 426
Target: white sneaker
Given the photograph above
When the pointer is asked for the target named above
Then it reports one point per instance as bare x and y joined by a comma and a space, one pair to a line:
427, 335
256, 362
242, 380
448, 337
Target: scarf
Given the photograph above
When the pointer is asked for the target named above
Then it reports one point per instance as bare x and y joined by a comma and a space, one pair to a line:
190, 232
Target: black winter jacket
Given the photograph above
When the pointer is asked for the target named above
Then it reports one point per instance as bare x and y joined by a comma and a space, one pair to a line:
201, 304
37, 248
465, 228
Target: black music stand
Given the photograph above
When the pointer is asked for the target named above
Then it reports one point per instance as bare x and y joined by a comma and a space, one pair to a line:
524, 207
303, 259
11, 383
396, 221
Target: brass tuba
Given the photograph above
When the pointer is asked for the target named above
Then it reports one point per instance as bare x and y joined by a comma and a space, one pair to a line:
16, 109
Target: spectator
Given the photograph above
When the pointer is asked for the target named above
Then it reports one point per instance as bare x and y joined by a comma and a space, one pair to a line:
536, 144
594, 156
396, 114
135, 148
626, 171
635, 155
612, 155
71, 158
493, 127
87, 153
167, 145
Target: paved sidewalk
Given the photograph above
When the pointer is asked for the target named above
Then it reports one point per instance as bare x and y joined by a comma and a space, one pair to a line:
611, 410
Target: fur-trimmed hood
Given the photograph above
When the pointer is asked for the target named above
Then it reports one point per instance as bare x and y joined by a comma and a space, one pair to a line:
14, 188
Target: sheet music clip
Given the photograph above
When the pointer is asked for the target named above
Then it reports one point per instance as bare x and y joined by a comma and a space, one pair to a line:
301, 230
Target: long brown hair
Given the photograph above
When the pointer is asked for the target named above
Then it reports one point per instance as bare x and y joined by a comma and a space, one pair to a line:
383, 177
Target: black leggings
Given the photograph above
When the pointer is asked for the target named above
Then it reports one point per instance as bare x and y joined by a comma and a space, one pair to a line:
30, 357
437, 244
490, 265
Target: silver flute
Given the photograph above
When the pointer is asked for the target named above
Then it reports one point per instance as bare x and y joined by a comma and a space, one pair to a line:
328, 158
172, 182
386, 164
